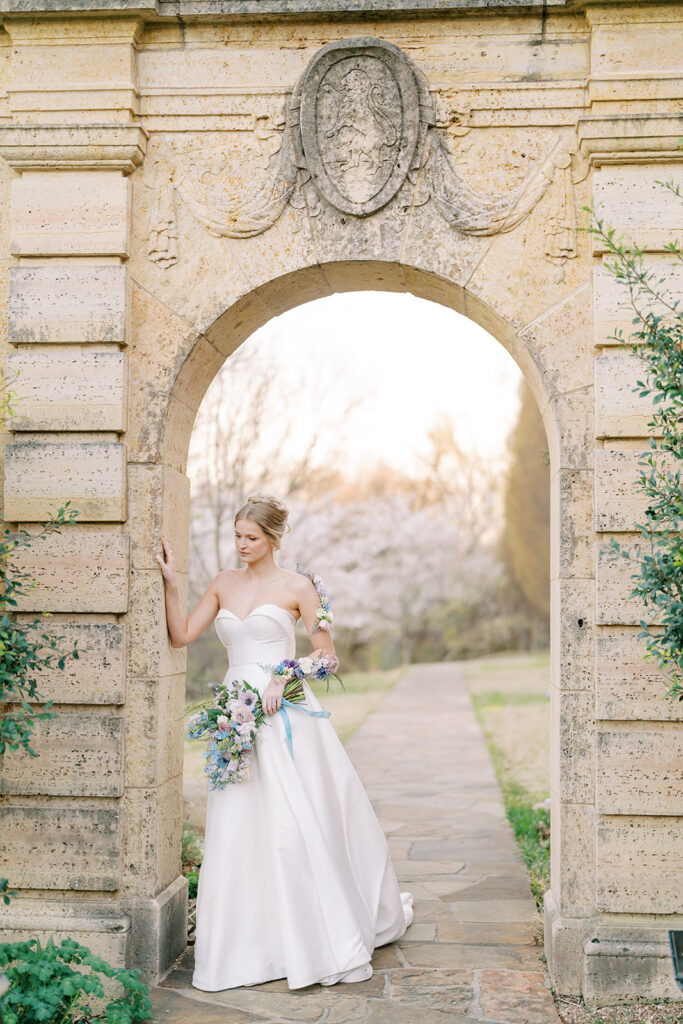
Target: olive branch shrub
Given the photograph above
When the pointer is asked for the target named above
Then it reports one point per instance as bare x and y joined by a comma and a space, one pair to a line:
51, 984
658, 340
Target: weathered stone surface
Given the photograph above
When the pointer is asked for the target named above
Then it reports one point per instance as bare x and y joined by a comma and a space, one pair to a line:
630, 200
572, 610
159, 503
98, 676
459, 957
161, 340
613, 308
155, 726
518, 933
523, 300
67, 303
614, 584
71, 389
639, 770
638, 865
103, 928
571, 547
609, 978
150, 651
81, 569
619, 409
65, 213
627, 687
572, 858
170, 1005
516, 996
151, 838
505, 911
568, 421
46, 847
560, 343
159, 929
619, 502
571, 766
79, 754
40, 478
563, 944
73, 147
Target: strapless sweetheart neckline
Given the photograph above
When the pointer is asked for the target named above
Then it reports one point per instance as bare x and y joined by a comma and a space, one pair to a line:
267, 604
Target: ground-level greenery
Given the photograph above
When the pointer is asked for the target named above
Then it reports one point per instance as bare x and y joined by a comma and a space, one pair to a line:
510, 694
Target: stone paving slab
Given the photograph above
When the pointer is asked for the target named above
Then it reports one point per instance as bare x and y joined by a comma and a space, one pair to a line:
470, 954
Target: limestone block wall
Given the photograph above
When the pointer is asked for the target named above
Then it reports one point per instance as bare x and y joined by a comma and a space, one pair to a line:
128, 283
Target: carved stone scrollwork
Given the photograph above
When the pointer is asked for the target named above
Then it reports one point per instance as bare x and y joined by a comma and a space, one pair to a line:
359, 125
363, 113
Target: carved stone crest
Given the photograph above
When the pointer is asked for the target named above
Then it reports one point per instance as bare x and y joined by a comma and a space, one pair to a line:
359, 122
359, 126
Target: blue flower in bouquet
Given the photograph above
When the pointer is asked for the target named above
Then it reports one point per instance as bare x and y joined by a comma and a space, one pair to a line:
230, 724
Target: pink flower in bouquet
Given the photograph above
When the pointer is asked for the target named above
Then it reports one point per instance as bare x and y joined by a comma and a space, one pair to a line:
243, 715
222, 723
248, 698
332, 662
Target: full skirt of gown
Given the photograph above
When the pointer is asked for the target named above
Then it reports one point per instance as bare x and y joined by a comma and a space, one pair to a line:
296, 880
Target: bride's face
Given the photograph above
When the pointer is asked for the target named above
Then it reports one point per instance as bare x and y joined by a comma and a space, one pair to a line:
250, 541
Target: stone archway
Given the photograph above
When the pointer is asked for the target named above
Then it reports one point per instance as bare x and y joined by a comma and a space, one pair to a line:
153, 228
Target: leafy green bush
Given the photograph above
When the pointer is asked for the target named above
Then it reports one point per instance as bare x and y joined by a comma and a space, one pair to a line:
22, 648
24, 651
658, 340
192, 854
48, 986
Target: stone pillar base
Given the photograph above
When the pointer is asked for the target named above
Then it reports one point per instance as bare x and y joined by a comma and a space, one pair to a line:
159, 930
563, 942
103, 928
608, 962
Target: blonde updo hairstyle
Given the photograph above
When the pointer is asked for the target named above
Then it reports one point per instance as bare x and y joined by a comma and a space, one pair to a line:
268, 512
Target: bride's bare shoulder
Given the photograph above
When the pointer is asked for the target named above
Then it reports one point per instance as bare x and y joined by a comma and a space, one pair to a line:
227, 577
300, 583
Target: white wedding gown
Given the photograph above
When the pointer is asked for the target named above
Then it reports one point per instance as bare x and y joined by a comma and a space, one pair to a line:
296, 880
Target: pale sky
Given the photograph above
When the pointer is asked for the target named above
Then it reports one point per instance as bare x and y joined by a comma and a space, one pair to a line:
407, 359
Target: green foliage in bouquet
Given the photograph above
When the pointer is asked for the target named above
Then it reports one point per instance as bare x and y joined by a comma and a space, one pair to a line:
49, 986
658, 340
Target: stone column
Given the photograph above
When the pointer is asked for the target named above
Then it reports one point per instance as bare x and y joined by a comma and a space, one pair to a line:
90, 828
607, 919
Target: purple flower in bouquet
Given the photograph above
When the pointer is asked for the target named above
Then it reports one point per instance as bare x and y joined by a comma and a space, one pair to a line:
243, 715
248, 699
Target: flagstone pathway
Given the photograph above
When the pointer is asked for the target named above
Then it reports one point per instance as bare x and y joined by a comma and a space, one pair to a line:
470, 954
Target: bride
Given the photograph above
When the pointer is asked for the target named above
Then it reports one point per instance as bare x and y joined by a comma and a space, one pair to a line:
296, 880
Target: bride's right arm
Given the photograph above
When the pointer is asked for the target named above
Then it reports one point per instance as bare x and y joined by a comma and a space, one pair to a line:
184, 630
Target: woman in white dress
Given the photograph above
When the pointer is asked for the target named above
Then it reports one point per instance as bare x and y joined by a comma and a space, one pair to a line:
296, 880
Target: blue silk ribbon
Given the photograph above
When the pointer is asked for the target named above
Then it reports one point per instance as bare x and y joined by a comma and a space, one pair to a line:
288, 725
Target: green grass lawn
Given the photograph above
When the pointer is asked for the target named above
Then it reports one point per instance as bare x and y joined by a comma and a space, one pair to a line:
509, 694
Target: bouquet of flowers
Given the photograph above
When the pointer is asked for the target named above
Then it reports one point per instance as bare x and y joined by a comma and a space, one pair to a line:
232, 721
306, 668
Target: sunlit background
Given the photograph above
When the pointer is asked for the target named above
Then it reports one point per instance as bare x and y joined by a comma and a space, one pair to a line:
414, 463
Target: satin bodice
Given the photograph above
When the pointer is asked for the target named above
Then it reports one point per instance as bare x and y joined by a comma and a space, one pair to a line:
264, 637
